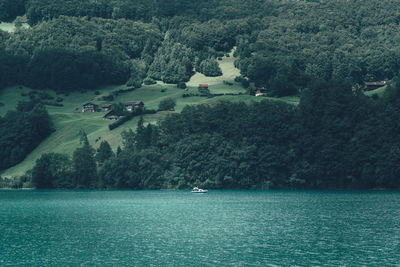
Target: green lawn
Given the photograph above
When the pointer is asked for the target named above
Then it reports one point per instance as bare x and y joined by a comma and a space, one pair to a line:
68, 120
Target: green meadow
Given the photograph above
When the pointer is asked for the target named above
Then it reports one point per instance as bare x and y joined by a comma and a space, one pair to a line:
10, 26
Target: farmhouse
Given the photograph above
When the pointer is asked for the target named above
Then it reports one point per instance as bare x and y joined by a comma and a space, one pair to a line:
89, 107
260, 91
368, 86
129, 106
106, 107
111, 115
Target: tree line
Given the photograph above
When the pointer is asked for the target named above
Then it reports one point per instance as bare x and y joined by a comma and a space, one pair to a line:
21, 130
336, 138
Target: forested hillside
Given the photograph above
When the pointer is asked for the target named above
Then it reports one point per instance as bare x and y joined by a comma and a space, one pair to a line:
335, 139
282, 45
321, 51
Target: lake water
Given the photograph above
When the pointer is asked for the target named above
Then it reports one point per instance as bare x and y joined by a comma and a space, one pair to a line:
221, 228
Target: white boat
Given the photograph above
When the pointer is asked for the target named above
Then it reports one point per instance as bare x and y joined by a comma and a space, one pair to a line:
198, 190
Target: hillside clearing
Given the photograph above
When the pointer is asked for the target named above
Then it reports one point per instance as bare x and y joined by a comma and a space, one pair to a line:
68, 120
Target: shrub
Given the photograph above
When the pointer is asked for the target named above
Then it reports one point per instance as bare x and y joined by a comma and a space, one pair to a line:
45, 96
167, 104
227, 83
130, 116
240, 79
181, 85
149, 81
210, 68
54, 104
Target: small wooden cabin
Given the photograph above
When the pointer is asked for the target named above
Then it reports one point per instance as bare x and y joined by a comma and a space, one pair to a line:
111, 115
129, 106
89, 107
260, 91
106, 107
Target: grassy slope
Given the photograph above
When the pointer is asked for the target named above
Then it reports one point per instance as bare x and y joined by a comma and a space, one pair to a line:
379, 91
68, 120
10, 26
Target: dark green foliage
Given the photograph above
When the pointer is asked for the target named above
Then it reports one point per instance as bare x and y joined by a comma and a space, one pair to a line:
149, 81
181, 85
172, 63
138, 73
210, 68
21, 131
167, 104
12, 68
278, 47
84, 165
129, 116
217, 147
119, 109
9, 9
204, 91
64, 70
104, 152
52, 171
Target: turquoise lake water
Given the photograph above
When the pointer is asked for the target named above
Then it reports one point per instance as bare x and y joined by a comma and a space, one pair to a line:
221, 228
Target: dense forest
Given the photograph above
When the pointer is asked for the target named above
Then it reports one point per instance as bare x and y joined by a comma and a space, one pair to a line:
21, 130
281, 45
337, 138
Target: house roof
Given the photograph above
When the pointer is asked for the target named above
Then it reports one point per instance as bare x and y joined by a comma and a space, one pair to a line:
133, 103
375, 83
202, 85
106, 105
89, 103
110, 113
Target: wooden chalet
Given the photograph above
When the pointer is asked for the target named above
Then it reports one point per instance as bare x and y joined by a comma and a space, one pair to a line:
89, 107
260, 91
368, 86
129, 106
111, 115
106, 107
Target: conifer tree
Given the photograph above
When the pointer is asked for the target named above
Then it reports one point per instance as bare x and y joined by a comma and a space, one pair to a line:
84, 164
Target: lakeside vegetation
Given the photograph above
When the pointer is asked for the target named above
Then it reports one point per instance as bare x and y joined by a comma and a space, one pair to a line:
334, 139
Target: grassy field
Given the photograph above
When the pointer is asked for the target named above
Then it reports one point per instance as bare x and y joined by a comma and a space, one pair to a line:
379, 91
68, 120
10, 26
